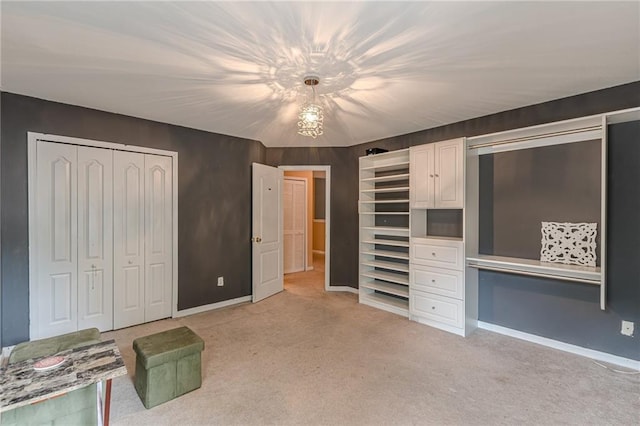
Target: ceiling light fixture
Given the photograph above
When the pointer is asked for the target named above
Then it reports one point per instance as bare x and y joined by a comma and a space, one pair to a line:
310, 117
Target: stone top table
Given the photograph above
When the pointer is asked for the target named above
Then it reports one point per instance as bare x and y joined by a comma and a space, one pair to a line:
21, 385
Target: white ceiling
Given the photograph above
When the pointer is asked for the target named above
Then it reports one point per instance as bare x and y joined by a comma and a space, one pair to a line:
386, 68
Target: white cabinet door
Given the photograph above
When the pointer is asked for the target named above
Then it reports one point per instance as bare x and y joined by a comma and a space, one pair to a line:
128, 239
294, 197
158, 188
95, 242
53, 306
422, 176
449, 174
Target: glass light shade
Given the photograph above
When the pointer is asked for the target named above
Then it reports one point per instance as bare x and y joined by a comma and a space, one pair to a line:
310, 120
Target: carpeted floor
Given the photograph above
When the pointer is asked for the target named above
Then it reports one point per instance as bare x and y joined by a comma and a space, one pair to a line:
307, 357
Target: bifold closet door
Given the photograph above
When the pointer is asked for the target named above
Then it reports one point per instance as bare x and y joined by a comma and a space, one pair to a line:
158, 223
128, 238
54, 300
95, 242
73, 208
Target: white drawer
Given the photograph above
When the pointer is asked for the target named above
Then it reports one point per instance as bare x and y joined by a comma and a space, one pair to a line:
438, 253
445, 282
437, 308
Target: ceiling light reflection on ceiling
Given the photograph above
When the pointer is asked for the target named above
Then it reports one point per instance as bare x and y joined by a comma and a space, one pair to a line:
311, 118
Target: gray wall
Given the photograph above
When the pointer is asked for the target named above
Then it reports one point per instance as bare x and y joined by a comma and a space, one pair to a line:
214, 200
559, 183
344, 204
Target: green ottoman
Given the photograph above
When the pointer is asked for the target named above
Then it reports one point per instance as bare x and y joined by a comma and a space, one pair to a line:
167, 365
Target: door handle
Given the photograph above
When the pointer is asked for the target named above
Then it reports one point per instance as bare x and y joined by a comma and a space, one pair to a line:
256, 239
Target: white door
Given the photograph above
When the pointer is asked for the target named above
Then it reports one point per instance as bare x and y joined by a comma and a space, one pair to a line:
158, 251
128, 238
267, 258
54, 306
95, 242
422, 176
294, 197
449, 174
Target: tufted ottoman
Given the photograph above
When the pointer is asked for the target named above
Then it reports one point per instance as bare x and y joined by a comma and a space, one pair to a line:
167, 365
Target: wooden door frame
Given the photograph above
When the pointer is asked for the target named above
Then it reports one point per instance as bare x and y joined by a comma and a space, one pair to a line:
33, 138
327, 215
306, 224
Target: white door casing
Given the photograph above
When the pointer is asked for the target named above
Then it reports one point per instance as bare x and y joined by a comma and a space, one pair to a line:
158, 236
294, 197
70, 188
267, 247
128, 239
53, 301
95, 243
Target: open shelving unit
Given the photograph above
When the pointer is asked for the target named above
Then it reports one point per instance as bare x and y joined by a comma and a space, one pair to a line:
384, 211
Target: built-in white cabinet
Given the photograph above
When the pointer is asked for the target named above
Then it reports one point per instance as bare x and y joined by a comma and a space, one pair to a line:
384, 231
101, 238
437, 293
437, 175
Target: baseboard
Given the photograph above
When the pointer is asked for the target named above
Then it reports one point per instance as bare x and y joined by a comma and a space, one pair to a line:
309, 268
212, 306
343, 288
318, 252
566, 347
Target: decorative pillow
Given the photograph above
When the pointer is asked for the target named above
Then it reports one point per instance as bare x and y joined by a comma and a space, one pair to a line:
569, 243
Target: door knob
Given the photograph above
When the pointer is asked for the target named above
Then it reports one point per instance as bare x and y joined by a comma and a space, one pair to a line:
131, 262
256, 239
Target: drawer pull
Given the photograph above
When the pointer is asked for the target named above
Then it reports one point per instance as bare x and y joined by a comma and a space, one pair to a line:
433, 254
433, 281
433, 307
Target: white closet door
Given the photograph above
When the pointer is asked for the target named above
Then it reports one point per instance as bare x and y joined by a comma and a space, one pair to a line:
54, 305
128, 239
294, 197
95, 242
159, 236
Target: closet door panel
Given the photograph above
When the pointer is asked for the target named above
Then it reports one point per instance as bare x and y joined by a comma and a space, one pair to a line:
95, 242
422, 176
129, 240
159, 236
53, 306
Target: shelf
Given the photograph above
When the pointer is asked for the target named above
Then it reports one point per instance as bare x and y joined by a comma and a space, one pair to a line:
383, 190
387, 276
387, 213
400, 165
536, 268
384, 302
392, 266
388, 253
388, 230
390, 178
395, 289
399, 201
428, 238
391, 243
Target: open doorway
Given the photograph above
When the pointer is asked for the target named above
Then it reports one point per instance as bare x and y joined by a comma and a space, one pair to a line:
316, 227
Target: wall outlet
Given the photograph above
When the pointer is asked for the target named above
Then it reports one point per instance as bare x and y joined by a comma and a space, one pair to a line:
220, 281
627, 328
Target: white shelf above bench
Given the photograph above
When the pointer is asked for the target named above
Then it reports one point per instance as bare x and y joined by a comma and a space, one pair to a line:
536, 268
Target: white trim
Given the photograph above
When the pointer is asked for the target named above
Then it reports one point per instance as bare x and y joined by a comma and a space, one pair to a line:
212, 306
309, 268
32, 139
327, 210
566, 347
343, 288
